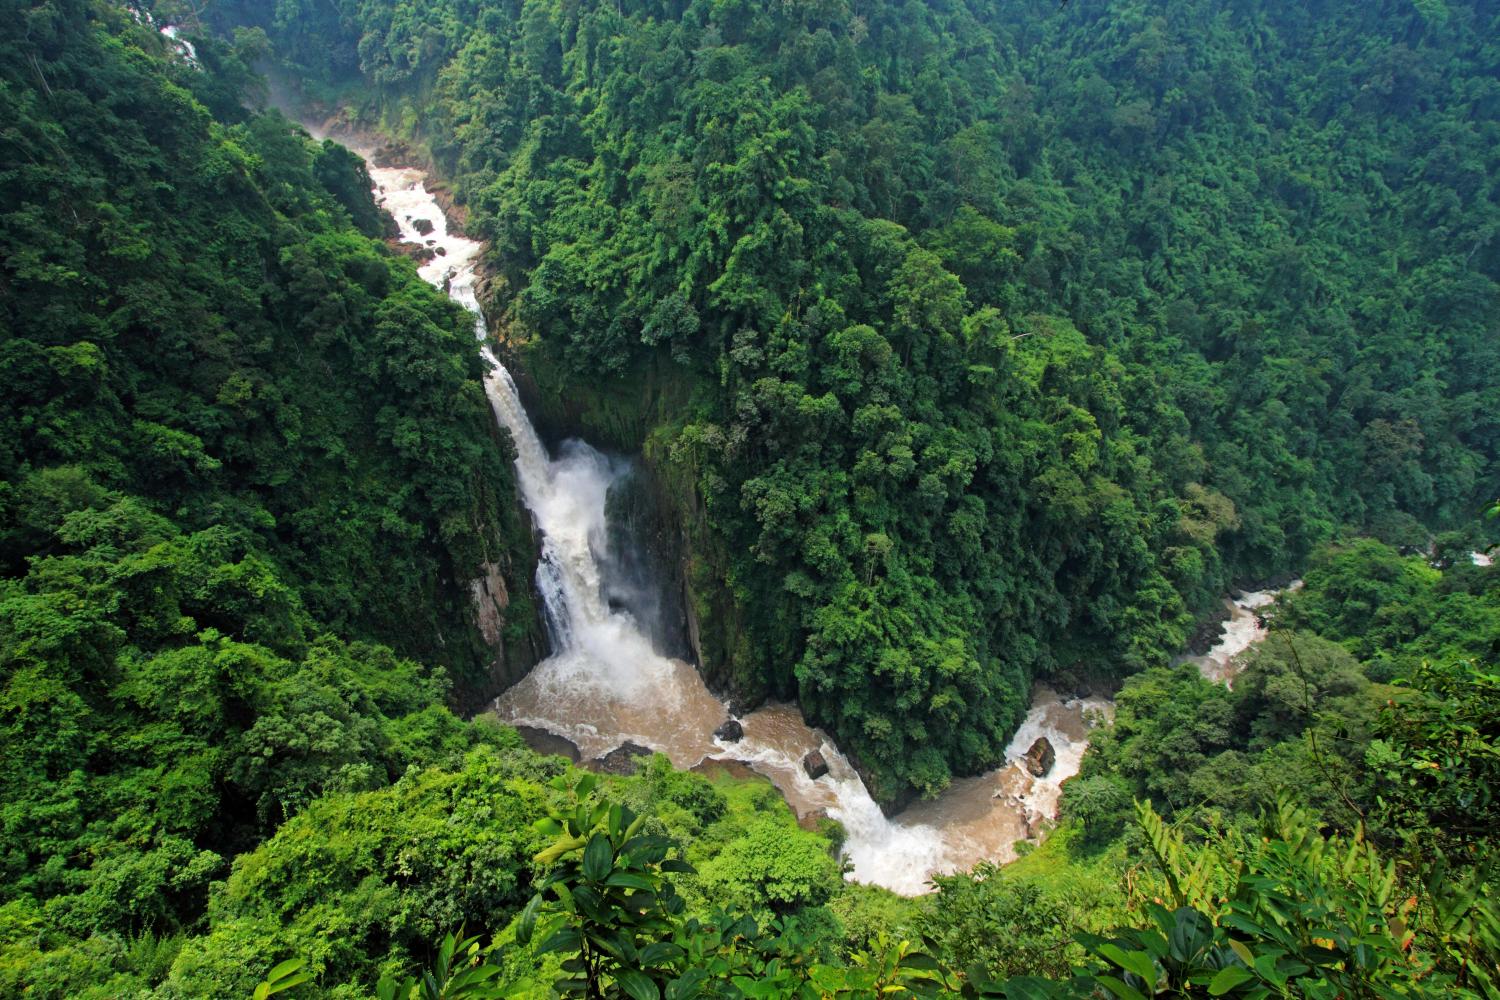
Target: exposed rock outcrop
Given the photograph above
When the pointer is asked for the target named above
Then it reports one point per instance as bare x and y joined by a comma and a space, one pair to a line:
1040, 758
624, 759
814, 764
545, 742
730, 732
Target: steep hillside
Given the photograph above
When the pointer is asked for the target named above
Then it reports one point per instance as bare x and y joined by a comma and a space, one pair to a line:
1006, 335
247, 473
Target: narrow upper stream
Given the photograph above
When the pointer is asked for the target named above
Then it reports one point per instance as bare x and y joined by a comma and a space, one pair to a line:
606, 683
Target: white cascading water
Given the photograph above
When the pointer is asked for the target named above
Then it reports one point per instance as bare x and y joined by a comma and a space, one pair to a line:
605, 683
1242, 630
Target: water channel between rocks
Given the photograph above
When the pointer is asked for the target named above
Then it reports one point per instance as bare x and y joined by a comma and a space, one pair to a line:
606, 683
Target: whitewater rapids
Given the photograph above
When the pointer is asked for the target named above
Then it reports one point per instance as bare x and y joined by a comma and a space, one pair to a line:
606, 682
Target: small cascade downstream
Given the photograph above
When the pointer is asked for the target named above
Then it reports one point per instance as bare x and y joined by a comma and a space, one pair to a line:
607, 682
1243, 629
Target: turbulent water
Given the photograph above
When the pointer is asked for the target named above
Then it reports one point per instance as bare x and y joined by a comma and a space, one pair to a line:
607, 682
1243, 629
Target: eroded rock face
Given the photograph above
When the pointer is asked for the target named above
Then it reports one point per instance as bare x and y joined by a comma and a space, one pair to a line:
1040, 758
544, 742
624, 759
490, 601
814, 764
730, 732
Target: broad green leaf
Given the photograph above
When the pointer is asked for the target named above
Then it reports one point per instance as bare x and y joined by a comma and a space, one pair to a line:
638, 985
598, 858
566, 939
1137, 962
526, 923
1120, 989
1228, 979
659, 953
630, 880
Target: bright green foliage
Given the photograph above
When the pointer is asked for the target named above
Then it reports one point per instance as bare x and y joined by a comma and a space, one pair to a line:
1098, 804
764, 866
1307, 916
469, 978
1005, 926
992, 339
1393, 611
976, 347
1291, 912
246, 471
1409, 765
388, 869
282, 977
611, 910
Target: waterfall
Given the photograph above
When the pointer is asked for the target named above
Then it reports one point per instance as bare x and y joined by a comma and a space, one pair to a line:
605, 682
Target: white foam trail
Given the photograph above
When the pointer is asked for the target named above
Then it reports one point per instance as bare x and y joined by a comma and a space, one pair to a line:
1221, 664
606, 684
183, 45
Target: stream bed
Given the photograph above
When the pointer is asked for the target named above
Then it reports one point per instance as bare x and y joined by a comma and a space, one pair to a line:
607, 683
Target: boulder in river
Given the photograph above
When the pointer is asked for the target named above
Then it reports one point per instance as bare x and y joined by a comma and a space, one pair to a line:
423, 226
1040, 758
814, 764
730, 732
623, 759
740, 770
544, 742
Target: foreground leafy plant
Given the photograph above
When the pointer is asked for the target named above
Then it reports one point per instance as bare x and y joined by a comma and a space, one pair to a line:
468, 978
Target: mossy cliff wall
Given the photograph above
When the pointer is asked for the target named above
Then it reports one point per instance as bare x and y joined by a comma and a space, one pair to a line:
637, 413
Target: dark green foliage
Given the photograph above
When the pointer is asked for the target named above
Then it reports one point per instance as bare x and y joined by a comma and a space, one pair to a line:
190, 320
246, 471
982, 350
862, 237
1434, 765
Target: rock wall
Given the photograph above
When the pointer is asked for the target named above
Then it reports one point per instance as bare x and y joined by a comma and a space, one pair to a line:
633, 414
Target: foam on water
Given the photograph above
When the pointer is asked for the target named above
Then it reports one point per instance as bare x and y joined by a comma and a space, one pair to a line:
1243, 629
606, 683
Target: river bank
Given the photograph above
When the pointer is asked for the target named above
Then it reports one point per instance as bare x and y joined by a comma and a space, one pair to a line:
609, 683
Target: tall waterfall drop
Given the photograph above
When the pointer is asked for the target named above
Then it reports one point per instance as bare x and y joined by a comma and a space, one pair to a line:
606, 683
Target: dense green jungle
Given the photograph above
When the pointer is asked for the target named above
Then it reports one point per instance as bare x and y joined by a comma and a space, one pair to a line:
968, 344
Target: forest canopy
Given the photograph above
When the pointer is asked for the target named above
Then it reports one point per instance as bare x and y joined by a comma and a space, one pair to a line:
998, 339
975, 342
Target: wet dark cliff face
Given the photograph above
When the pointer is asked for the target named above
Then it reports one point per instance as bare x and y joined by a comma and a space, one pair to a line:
692, 613
645, 563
